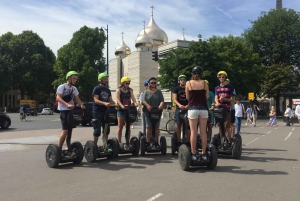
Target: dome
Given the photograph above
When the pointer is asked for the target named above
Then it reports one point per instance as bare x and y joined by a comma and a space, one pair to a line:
143, 40
157, 34
122, 49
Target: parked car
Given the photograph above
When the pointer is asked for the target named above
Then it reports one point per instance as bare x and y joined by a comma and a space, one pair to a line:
31, 111
5, 121
47, 111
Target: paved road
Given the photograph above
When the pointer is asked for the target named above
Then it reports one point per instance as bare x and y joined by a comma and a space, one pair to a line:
269, 169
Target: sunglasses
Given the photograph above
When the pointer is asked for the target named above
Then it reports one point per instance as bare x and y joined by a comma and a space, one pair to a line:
127, 83
152, 82
221, 76
182, 79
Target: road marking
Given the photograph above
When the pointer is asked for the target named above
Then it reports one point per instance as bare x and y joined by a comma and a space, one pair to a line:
293, 128
288, 136
252, 141
155, 196
56, 120
276, 127
268, 132
263, 135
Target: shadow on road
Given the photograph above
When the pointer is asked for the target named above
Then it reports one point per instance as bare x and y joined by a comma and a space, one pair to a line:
116, 163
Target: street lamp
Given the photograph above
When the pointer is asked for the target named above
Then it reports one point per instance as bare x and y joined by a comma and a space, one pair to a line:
102, 29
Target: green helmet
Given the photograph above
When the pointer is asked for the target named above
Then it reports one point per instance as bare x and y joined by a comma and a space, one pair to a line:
181, 76
101, 75
70, 73
228, 80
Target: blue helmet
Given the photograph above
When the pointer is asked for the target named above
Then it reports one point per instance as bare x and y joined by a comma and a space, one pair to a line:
146, 83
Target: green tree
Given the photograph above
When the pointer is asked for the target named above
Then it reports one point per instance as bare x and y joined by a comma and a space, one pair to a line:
29, 63
275, 35
84, 54
229, 53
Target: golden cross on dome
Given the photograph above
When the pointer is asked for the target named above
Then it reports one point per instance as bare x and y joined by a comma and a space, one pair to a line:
144, 23
122, 35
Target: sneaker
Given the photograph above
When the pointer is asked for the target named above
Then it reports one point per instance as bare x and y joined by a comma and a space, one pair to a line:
126, 147
157, 146
109, 149
204, 157
148, 145
101, 149
194, 157
254, 125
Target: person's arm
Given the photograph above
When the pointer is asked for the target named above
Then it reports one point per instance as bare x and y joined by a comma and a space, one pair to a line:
111, 101
78, 101
99, 102
162, 100
59, 99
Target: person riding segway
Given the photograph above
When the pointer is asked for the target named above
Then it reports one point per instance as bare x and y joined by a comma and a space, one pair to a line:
103, 111
182, 134
74, 153
224, 142
153, 101
197, 94
124, 95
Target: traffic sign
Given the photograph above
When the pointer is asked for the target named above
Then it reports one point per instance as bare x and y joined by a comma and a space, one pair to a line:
251, 96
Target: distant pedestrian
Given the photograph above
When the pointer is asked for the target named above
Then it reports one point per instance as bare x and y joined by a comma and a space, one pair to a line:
297, 112
248, 113
273, 118
239, 113
288, 115
254, 112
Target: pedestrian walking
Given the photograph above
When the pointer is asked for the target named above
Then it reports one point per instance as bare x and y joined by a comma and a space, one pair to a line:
239, 113
273, 118
254, 112
248, 113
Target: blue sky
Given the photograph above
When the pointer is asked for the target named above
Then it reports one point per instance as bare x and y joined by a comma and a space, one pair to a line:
55, 21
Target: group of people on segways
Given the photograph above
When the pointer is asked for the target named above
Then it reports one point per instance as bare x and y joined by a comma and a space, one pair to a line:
152, 102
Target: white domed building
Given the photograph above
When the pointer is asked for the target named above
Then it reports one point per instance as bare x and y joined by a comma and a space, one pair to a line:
138, 65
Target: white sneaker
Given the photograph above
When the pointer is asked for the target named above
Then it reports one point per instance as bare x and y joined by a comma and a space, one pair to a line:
131, 126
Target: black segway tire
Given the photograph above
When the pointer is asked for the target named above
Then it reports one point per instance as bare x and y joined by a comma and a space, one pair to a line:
135, 143
53, 155
90, 151
173, 145
79, 152
237, 149
114, 144
143, 145
238, 136
140, 135
163, 145
213, 156
184, 157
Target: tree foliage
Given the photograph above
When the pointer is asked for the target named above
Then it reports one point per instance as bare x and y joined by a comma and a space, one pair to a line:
229, 53
27, 64
275, 35
84, 54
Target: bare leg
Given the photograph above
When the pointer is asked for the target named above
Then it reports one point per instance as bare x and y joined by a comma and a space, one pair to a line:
193, 126
120, 128
203, 134
62, 138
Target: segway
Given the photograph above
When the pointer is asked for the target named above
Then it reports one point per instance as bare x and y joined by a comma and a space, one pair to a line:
92, 151
155, 115
184, 155
222, 145
174, 141
133, 144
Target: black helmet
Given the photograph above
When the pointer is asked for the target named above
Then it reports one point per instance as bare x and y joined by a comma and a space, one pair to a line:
197, 70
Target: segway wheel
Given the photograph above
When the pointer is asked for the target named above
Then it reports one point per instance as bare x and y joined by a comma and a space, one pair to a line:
140, 135
163, 145
184, 157
237, 149
143, 145
90, 151
238, 136
79, 151
114, 144
135, 143
53, 155
173, 145
212, 155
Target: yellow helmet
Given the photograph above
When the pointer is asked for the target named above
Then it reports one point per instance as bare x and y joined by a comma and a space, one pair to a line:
125, 79
222, 73
206, 81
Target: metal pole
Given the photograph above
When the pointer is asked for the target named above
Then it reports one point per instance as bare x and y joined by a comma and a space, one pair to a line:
107, 48
177, 63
